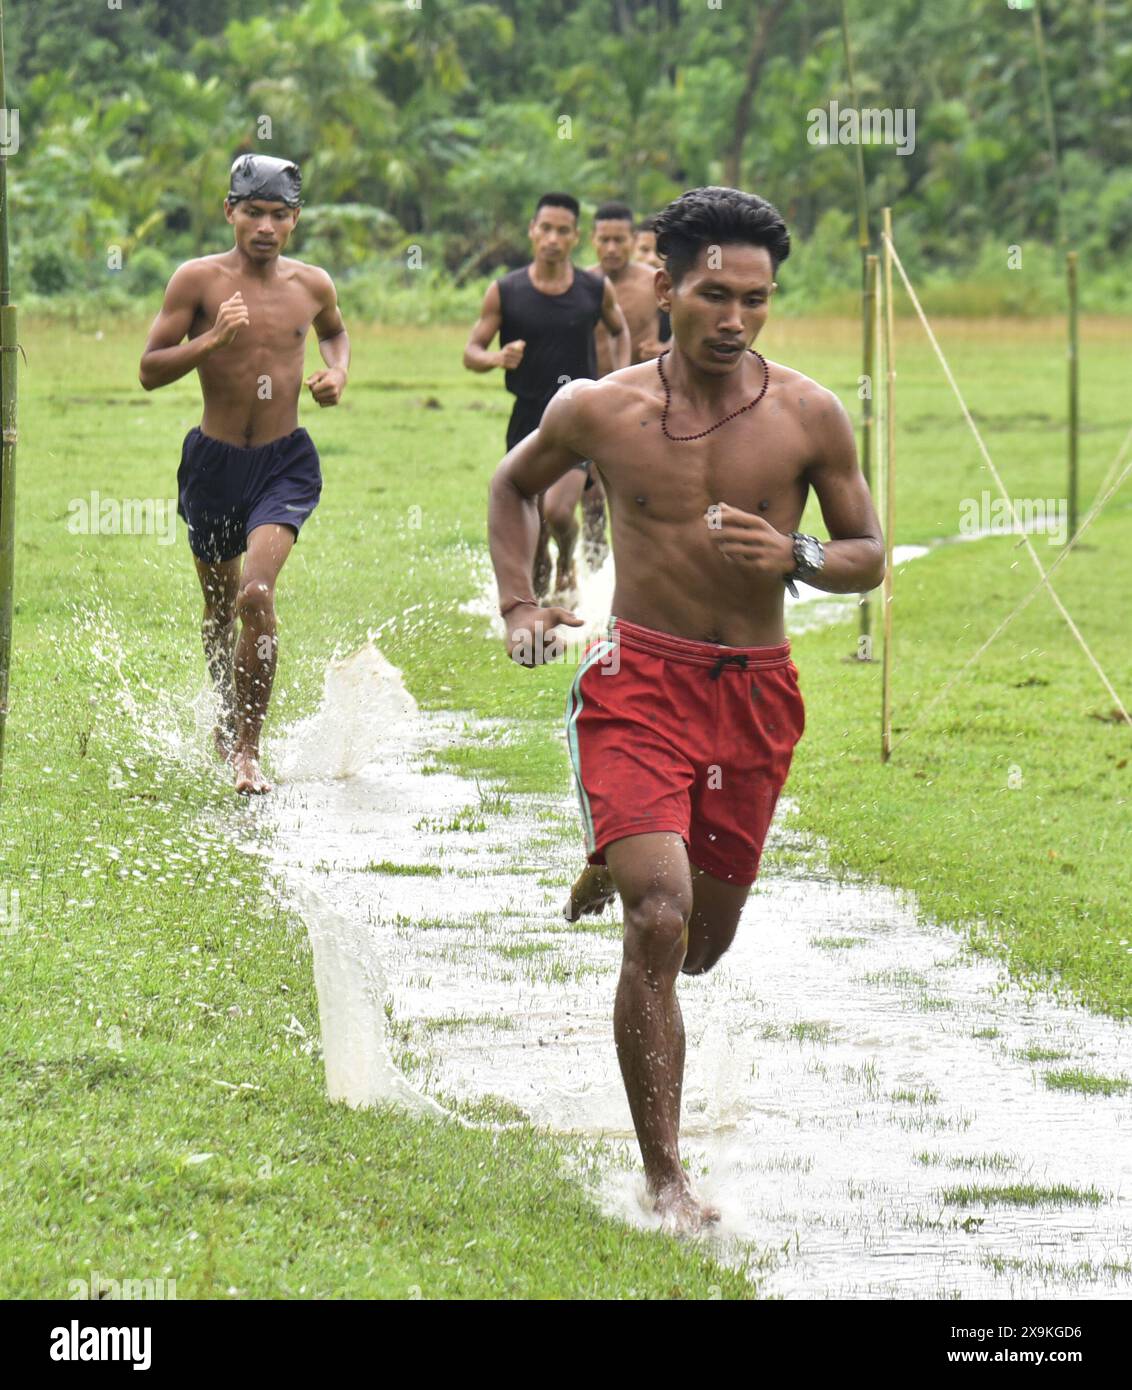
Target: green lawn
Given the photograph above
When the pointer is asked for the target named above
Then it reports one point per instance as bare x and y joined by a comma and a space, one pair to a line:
149, 984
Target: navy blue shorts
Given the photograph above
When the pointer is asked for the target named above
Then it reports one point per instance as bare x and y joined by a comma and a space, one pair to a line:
224, 492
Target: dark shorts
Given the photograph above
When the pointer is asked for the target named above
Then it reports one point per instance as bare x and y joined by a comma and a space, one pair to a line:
670, 734
224, 492
525, 417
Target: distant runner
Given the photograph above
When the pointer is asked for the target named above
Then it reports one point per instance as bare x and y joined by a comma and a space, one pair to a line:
634, 284
545, 314
645, 252
683, 716
249, 476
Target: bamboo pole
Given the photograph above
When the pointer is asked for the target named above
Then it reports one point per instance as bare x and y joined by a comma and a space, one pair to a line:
889, 488
8, 382
1051, 127
868, 445
866, 310
1074, 384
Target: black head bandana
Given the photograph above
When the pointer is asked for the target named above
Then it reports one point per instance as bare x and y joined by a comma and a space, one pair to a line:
265, 177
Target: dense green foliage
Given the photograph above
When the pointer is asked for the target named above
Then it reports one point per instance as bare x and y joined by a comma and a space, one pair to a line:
436, 124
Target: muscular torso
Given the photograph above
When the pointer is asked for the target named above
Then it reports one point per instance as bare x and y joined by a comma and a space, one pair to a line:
637, 297
251, 386
671, 574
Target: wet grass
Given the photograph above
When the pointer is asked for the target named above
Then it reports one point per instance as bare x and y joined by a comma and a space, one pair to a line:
384, 866
467, 819
900, 977
154, 1007
923, 1119
1036, 1053
1086, 1082
915, 1095
370, 1204
866, 1075
837, 943
498, 1023
985, 1033
993, 1162
1022, 1195
525, 950
800, 1031
1051, 1271
786, 1163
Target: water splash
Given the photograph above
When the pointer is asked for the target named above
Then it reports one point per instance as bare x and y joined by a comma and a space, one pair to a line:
364, 703
849, 1061
351, 989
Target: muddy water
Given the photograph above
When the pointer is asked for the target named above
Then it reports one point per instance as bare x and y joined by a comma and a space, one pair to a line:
848, 1063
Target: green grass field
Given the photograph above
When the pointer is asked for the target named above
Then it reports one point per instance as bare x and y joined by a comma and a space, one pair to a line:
161, 1114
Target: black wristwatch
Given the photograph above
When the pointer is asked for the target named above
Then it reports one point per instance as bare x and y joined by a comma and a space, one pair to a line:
809, 557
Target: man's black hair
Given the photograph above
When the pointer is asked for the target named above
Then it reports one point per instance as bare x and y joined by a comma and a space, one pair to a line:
559, 200
714, 217
614, 212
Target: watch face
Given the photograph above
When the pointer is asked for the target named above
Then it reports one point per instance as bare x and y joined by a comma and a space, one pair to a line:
807, 553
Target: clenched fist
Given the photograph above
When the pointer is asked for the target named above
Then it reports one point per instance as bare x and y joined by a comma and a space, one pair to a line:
230, 318
327, 385
512, 354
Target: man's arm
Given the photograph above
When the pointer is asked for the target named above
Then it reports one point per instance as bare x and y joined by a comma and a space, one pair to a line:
326, 386
620, 341
854, 553
165, 359
477, 356
513, 522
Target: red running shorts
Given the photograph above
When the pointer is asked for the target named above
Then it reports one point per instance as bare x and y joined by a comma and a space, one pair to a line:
668, 734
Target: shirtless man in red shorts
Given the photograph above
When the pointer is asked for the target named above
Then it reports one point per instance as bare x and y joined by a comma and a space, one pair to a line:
683, 717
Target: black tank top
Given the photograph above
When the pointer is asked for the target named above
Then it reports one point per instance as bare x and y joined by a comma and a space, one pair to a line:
558, 330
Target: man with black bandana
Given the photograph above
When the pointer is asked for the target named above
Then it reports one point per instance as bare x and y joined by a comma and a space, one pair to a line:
249, 476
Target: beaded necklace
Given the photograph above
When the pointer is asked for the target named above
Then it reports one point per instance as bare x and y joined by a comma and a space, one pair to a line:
685, 438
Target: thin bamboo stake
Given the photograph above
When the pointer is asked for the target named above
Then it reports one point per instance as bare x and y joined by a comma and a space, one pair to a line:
868, 444
8, 383
866, 308
1051, 128
1074, 385
889, 487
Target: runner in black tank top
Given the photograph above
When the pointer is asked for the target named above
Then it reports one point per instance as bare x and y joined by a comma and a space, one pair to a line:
545, 314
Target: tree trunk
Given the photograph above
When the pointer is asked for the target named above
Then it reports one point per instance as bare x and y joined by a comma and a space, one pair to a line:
760, 46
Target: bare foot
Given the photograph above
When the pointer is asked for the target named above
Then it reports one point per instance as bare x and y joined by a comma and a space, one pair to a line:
592, 890
249, 778
681, 1212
